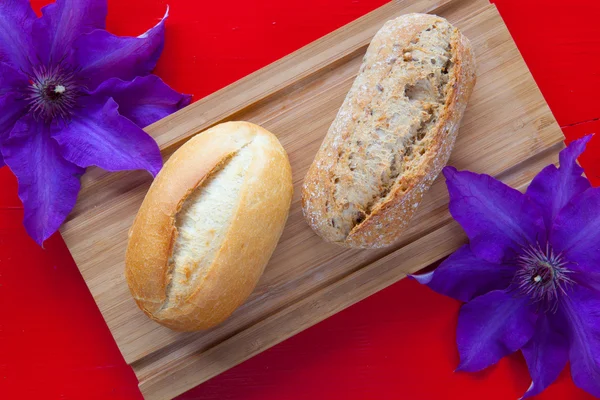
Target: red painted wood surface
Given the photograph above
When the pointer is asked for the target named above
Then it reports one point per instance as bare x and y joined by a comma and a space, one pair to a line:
54, 343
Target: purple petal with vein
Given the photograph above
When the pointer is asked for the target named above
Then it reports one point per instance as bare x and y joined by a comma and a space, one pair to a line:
16, 19
493, 326
13, 108
586, 275
463, 276
102, 137
12, 105
576, 230
554, 187
11, 78
498, 219
546, 353
582, 308
64, 21
144, 100
103, 55
48, 184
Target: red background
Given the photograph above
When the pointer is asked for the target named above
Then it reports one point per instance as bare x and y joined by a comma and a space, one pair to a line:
398, 343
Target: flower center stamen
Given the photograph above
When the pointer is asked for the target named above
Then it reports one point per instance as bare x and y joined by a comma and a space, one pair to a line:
542, 275
59, 89
52, 92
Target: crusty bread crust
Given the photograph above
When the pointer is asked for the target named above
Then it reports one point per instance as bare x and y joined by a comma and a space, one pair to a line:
255, 227
327, 197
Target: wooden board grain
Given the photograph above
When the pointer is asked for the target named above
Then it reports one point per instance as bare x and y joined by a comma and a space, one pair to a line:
508, 131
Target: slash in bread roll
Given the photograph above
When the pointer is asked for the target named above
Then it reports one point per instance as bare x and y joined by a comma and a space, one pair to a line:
393, 133
208, 226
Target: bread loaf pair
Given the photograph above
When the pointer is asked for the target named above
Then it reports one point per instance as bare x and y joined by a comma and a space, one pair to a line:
392, 135
215, 212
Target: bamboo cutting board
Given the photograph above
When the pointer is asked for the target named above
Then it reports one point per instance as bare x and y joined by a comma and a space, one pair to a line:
508, 131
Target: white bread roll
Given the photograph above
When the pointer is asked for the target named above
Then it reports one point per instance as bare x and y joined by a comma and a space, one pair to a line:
208, 226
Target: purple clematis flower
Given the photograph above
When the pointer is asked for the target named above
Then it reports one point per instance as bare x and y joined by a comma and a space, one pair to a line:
73, 95
530, 275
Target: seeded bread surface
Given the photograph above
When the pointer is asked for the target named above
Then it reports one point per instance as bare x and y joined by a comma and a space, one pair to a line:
393, 133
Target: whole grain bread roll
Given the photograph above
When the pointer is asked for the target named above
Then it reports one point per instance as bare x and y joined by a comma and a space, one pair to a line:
208, 226
393, 133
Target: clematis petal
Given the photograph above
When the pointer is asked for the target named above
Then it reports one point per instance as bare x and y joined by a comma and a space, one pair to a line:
463, 276
582, 308
546, 353
12, 108
64, 21
103, 55
498, 219
102, 137
554, 187
586, 275
144, 100
48, 184
576, 230
493, 326
12, 104
11, 78
16, 19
